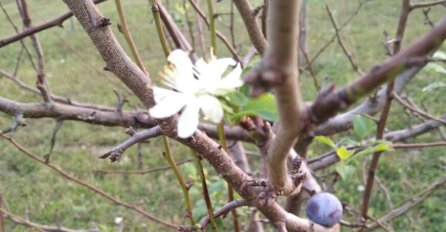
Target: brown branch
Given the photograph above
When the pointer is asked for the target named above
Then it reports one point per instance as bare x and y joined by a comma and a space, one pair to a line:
330, 102
32, 30
24, 47
371, 106
341, 44
138, 119
418, 145
414, 130
404, 15
249, 18
331, 157
426, 4
417, 110
117, 61
321, 50
219, 35
44, 228
407, 205
139, 137
102, 37
56, 98
279, 70
41, 83
223, 211
88, 186
141, 172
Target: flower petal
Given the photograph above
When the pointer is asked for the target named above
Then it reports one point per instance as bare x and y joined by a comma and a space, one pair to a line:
211, 108
182, 74
232, 80
168, 103
188, 121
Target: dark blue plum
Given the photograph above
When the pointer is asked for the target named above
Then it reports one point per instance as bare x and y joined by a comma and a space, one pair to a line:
324, 209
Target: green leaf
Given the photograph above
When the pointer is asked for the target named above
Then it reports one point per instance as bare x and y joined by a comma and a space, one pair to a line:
236, 98
362, 126
343, 153
345, 171
327, 141
263, 106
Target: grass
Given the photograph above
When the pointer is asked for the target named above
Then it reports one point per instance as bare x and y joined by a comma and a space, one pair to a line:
74, 69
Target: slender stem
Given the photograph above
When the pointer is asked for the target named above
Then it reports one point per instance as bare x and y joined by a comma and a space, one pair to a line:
224, 145
212, 26
84, 184
405, 10
159, 27
180, 178
204, 187
189, 24
123, 28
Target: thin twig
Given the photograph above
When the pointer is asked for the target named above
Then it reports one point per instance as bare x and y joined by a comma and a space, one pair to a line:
205, 191
344, 49
417, 110
352, 16
184, 186
141, 172
224, 144
124, 29
418, 145
139, 137
224, 210
219, 35
22, 43
41, 83
93, 188
32, 30
426, 4
409, 204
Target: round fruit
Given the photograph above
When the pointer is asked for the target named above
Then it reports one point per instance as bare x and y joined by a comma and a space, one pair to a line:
324, 209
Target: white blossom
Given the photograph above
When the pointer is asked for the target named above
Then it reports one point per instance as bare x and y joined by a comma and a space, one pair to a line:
194, 88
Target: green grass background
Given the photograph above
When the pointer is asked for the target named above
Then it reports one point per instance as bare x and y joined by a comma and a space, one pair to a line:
74, 69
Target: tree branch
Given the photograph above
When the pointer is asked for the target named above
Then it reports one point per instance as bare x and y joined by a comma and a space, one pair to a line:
32, 30
249, 18
88, 186
330, 102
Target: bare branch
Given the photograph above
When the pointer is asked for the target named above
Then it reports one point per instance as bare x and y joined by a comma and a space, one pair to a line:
409, 204
41, 83
223, 211
219, 35
136, 119
249, 18
32, 30
88, 186
417, 110
330, 102
138, 137
44, 228
117, 61
341, 43
426, 4
141, 172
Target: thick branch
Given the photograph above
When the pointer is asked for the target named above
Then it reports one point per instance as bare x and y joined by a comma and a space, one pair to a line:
331, 102
249, 18
281, 56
